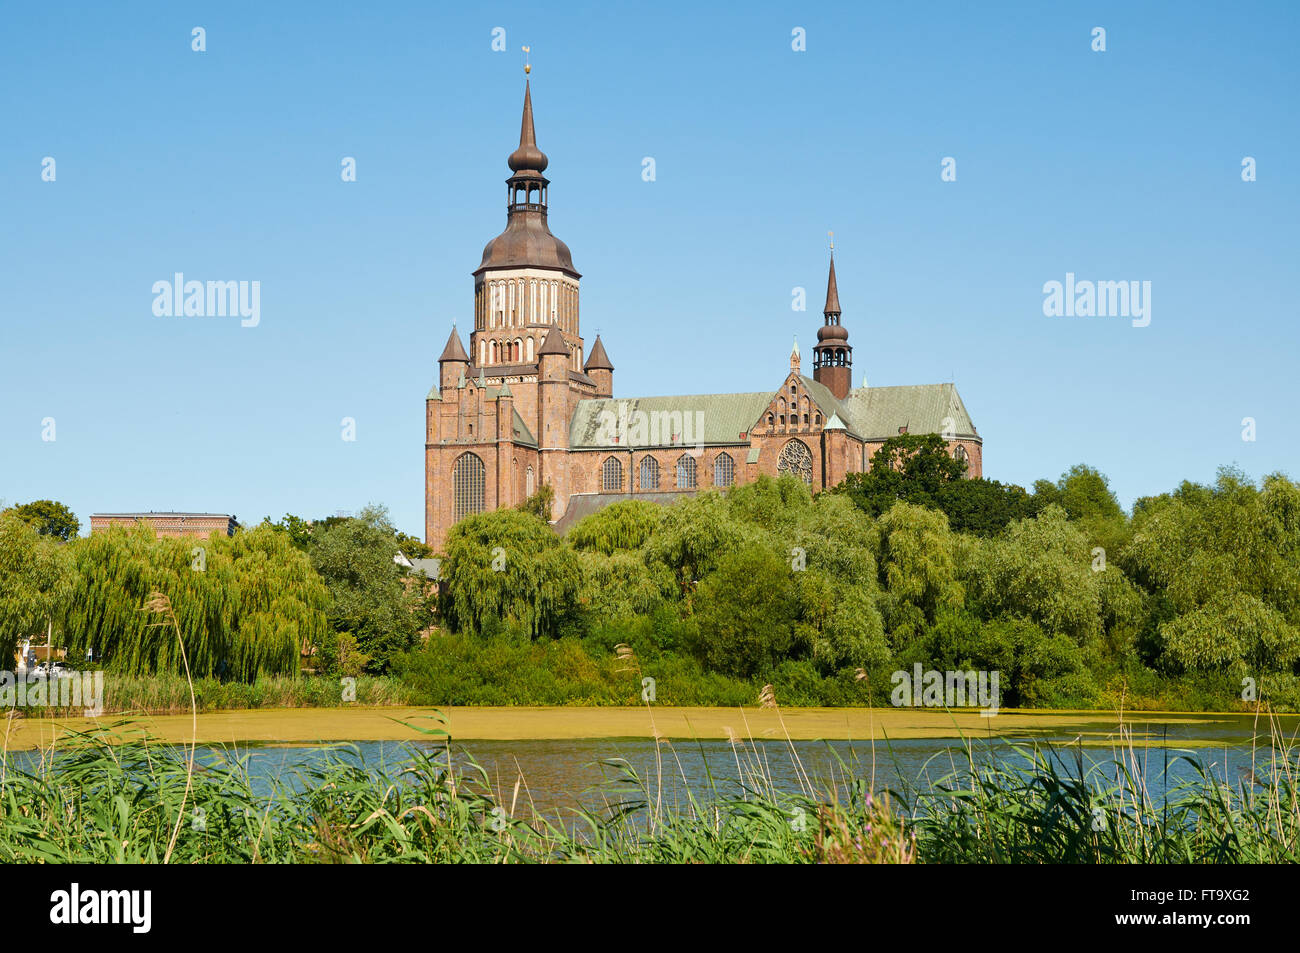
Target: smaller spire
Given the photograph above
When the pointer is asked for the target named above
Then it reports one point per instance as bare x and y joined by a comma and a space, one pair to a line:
482, 381
553, 343
505, 390
832, 292
598, 360
794, 354
454, 351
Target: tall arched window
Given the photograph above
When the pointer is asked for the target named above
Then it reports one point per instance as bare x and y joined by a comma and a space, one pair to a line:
467, 486
959, 453
686, 472
611, 475
796, 459
649, 473
530, 351
724, 470
528, 482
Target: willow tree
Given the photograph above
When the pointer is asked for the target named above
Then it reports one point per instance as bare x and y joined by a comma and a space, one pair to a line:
35, 580
624, 525
244, 606
1041, 569
507, 567
917, 568
695, 534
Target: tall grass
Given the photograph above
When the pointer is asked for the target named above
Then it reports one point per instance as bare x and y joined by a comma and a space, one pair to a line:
121, 802
1045, 804
166, 694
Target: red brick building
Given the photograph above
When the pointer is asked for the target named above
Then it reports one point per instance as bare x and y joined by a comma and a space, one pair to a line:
521, 408
169, 524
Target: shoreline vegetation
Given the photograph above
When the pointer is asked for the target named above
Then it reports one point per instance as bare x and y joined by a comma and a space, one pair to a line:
143, 802
1055, 599
311, 726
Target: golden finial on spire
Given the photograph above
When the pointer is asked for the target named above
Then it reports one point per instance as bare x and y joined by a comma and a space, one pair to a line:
527, 67
831, 235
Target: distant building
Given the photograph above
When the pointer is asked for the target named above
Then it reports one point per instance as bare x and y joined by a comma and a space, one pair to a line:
169, 524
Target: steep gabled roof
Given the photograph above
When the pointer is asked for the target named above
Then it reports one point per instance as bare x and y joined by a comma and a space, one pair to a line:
829, 403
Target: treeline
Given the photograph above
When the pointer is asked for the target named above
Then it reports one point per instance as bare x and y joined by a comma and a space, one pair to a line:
269, 600
1192, 601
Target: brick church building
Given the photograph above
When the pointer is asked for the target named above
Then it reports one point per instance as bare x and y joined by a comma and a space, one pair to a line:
522, 407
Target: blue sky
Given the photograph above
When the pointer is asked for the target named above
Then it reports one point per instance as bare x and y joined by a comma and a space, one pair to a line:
224, 165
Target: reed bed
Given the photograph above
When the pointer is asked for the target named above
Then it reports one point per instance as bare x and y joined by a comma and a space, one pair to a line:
114, 796
168, 694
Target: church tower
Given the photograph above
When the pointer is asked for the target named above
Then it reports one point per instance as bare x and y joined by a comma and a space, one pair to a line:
526, 283
832, 355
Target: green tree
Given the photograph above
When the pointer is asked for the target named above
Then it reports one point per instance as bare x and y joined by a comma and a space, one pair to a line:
621, 585
918, 568
985, 507
624, 525
36, 578
246, 605
508, 568
540, 503
911, 468
49, 518
1041, 570
746, 613
840, 620
1222, 563
369, 598
694, 535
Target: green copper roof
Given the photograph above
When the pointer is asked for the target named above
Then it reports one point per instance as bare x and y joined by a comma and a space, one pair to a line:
724, 418
877, 412
869, 413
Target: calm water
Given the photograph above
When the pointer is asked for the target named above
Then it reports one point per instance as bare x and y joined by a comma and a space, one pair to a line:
555, 777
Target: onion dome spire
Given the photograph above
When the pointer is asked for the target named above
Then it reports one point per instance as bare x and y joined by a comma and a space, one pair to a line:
833, 356
527, 241
528, 158
832, 291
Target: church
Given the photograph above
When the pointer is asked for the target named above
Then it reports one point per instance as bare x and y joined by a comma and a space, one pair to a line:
523, 407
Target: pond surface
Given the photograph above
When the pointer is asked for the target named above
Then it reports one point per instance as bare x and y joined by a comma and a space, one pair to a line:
557, 777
